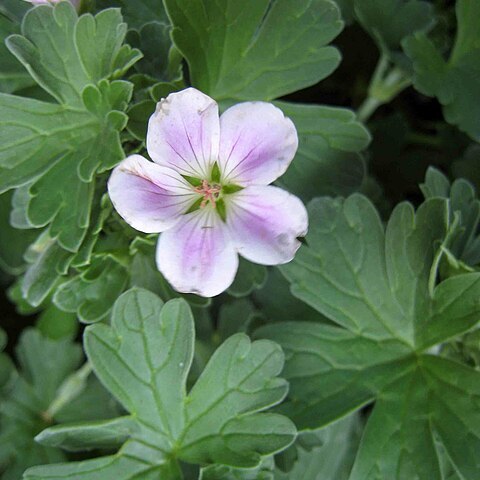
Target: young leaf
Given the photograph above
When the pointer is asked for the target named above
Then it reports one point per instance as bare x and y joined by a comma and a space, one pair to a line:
465, 245
379, 288
144, 359
65, 143
453, 82
255, 49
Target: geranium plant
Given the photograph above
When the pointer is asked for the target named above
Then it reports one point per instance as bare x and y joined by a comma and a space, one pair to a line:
240, 239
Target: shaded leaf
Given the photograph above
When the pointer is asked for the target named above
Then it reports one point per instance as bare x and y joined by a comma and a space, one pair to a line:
452, 81
327, 161
44, 365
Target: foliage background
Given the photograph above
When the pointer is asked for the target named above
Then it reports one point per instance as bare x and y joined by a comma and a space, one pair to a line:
410, 71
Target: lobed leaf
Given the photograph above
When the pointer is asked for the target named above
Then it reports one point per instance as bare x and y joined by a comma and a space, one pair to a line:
379, 286
144, 359
238, 50
46, 144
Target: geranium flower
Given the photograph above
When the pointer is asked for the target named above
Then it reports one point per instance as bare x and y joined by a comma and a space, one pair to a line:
208, 192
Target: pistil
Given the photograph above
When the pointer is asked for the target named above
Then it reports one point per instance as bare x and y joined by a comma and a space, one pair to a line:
210, 193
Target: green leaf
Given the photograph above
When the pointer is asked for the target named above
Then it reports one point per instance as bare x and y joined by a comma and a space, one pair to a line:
6, 368
250, 277
453, 82
219, 421
138, 116
330, 458
235, 317
66, 142
379, 286
57, 324
137, 14
92, 293
44, 365
13, 76
390, 21
160, 59
465, 245
255, 50
327, 161
48, 262
278, 305
100, 434
13, 242
221, 472
347, 9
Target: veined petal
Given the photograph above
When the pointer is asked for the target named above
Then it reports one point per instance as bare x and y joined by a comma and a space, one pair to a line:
184, 133
196, 255
147, 196
257, 143
264, 223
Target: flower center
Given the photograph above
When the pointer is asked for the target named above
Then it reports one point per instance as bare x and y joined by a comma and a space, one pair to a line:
210, 192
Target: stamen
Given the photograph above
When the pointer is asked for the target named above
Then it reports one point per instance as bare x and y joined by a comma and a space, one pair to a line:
210, 193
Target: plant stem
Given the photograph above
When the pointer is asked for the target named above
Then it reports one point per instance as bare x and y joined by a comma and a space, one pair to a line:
68, 390
386, 83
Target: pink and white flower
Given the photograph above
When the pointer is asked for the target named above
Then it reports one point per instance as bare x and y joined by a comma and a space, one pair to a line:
207, 190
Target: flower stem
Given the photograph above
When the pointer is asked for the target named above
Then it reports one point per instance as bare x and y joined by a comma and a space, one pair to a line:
386, 83
68, 390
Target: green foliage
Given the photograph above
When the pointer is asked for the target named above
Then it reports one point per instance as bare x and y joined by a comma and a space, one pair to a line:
92, 293
12, 76
464, 247
390, 21
250, 277
138, 14
379, 288
67, 142
13, 242
44, 365
325, 454
452, 81
219, 421
327, 160
372, 314
236, 50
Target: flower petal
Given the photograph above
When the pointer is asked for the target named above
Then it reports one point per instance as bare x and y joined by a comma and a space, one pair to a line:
184, 133
197, 256
264, 223
147, 196
257, 143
